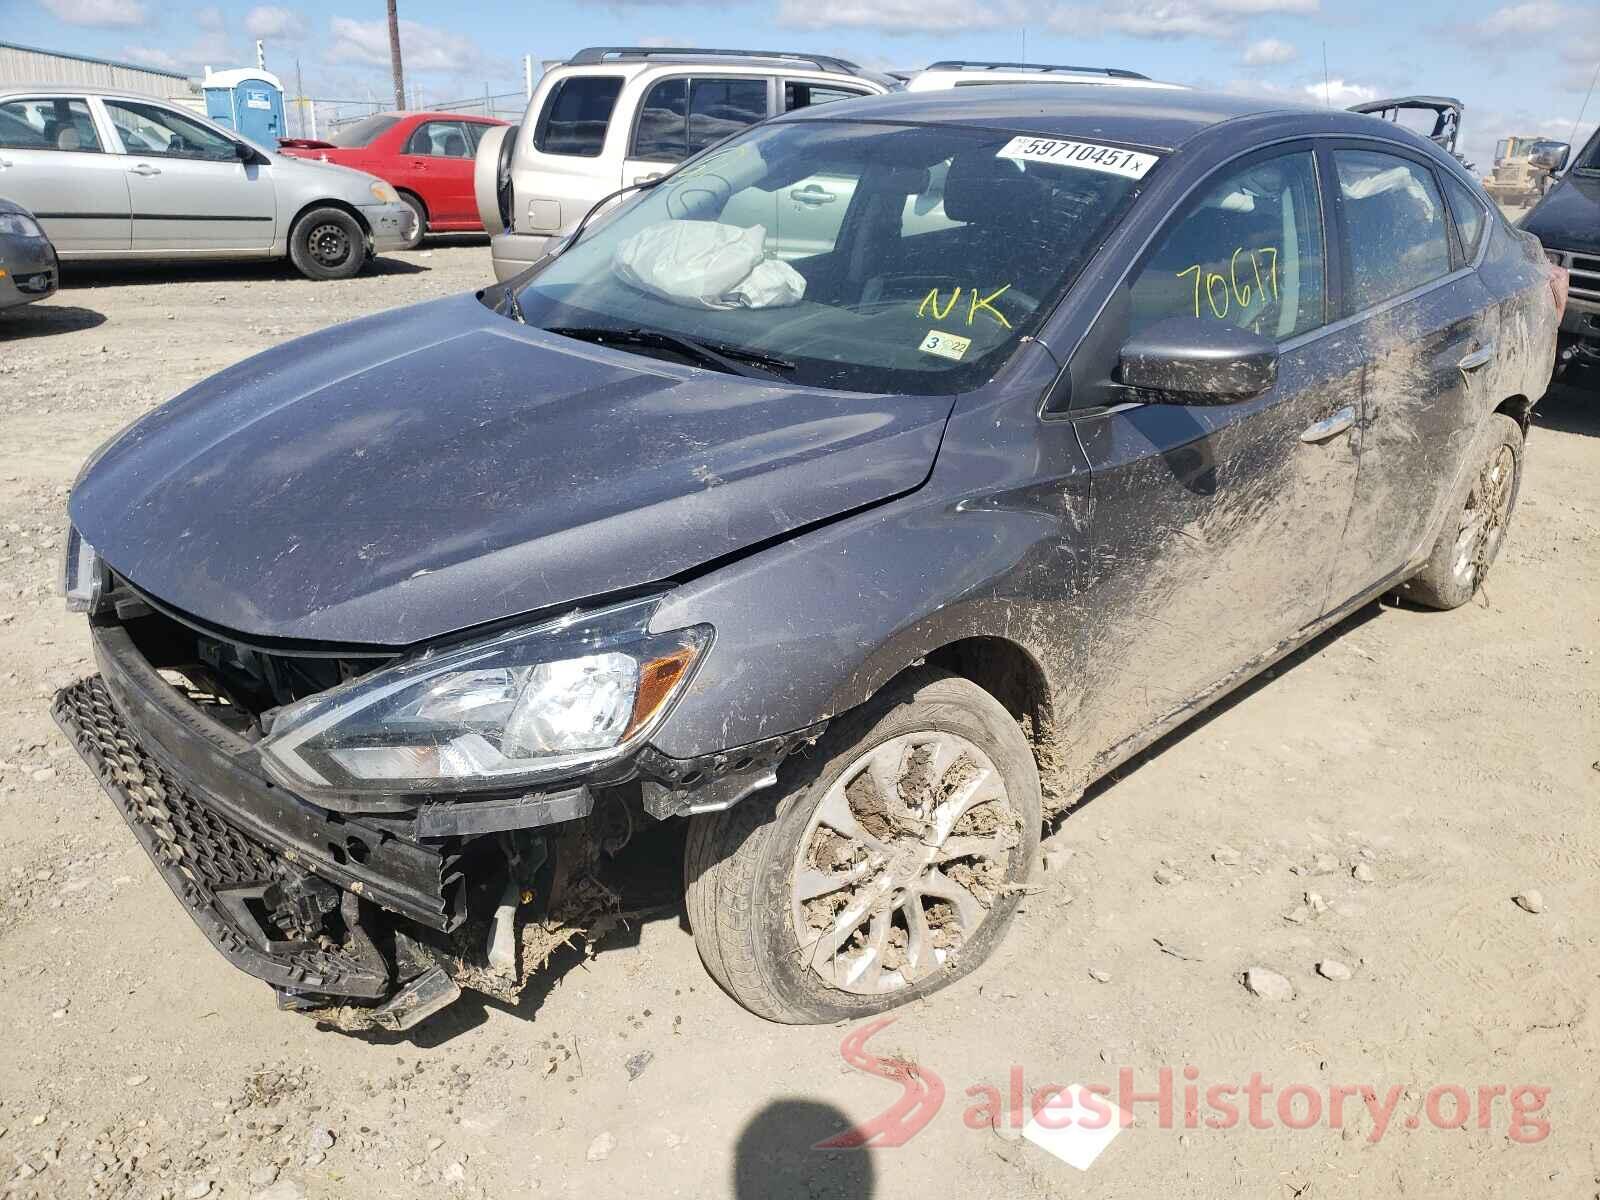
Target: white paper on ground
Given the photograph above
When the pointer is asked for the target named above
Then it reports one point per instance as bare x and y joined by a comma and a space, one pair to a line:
1073, 1143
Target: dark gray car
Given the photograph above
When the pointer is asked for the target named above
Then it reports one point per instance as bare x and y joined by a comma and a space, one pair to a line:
865, 562
28, 268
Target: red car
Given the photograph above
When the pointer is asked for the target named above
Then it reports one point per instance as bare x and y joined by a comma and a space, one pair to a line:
427, 156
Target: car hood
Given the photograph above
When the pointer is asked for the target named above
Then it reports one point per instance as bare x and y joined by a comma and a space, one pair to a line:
434, 468
1568, 218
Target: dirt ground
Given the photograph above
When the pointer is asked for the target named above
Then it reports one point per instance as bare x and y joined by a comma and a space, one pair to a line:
1411, 770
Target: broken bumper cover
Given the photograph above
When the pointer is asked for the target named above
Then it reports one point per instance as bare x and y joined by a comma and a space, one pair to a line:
222, 836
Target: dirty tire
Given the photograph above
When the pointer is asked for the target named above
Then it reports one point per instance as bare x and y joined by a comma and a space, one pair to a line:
415, 204
328, 243
1476, 521
740, 864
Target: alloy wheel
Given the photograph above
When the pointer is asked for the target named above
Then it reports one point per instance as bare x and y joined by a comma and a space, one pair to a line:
901, 863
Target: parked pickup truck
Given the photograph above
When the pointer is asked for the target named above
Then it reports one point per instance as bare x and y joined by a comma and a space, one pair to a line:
1567, 221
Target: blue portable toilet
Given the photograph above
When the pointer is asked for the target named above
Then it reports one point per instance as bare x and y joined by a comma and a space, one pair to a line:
247, 100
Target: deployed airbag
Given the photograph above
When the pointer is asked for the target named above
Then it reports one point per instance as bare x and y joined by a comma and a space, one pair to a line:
707, 264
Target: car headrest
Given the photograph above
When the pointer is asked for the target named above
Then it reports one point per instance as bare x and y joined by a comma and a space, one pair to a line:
68, 139
982, 189
455, 146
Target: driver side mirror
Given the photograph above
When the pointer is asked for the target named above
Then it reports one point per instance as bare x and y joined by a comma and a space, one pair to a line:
247, 154
1549, 156
1190, 361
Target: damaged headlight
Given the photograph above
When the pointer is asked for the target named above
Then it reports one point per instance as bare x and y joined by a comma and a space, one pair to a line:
498, 713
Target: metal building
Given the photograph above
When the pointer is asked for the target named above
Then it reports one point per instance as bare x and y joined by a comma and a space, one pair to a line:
26, 65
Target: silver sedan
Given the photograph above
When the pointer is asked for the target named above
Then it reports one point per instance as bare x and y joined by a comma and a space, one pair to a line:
117, 175
27, 259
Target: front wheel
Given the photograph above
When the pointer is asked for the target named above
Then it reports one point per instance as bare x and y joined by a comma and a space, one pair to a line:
1475, 524
328, 243
419, 225
886, 864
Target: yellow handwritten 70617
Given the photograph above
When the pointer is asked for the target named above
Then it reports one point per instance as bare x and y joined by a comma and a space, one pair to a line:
1231, 289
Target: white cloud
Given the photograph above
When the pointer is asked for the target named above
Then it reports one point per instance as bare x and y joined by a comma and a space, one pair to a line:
1339, 93
107, 13
1269, 52
1538, 16
1171, 20
269, 21
900, 16
423, 47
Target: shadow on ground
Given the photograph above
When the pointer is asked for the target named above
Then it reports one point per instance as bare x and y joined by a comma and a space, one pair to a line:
43, 320
1572, 406
134, 274
777, 1155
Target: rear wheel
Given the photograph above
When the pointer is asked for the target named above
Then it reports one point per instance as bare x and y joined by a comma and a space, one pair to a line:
421, 226
1475, 525
885, 866
328, 243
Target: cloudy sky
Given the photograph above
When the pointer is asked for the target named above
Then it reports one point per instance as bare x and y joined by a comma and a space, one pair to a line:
1520, 68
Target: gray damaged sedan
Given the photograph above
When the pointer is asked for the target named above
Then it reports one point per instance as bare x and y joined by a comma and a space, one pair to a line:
116, 175
844, 551
28, 269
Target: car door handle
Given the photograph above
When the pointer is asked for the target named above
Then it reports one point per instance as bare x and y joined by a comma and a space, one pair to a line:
144, 169
638, 179
1329, 427
812, 195
1480, 357
4, 163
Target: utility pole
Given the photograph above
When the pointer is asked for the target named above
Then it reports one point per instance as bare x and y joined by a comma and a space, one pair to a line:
394, 56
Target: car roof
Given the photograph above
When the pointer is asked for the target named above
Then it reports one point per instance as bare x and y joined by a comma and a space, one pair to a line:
86, 89
430, 114
1159, 118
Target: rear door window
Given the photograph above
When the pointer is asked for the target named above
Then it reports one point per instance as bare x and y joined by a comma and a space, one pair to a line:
1394, 225
662, 133
719, 108
577, 115
1469, 214
797, 94
55, 123
1248, 253
440, 139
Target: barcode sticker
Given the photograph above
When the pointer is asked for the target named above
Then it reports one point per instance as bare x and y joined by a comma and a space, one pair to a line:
1111, 160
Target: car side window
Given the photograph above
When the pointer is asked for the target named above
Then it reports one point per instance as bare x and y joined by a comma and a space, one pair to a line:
719, 108
1248, 253
440, 139
662, 133
577, 115
150, 129
805, 95
51, 123
1469, 215
1394, 223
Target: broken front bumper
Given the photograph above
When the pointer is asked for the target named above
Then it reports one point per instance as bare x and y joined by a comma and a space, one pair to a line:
252, 864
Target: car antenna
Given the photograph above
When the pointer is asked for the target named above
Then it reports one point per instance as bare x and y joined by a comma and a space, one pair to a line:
1573, 136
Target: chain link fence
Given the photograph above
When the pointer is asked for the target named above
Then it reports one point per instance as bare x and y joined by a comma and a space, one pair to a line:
317, 117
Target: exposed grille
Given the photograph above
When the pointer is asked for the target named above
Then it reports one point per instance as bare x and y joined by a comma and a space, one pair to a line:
1585, 271
200, 854
191, 838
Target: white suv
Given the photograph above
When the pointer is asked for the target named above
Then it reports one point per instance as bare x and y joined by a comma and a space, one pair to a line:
962, 73
611, 116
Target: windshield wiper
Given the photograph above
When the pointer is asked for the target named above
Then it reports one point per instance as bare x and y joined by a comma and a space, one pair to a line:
716, 355
514, 307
